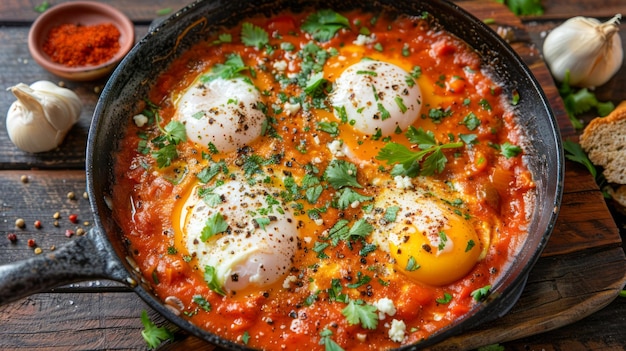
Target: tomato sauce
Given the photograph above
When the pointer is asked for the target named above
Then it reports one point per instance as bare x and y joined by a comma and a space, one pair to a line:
300, 312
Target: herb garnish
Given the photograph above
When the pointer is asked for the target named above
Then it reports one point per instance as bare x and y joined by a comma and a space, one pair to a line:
323, 24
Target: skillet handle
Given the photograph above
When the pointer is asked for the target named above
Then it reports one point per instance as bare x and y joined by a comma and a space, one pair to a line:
84, 258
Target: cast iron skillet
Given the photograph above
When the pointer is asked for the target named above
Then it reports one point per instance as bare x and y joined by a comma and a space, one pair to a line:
101, 253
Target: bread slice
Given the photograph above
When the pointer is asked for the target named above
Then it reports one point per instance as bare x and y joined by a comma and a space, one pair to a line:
604, 140
618, 195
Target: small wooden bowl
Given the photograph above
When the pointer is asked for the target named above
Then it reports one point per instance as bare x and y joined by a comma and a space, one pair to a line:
79, 13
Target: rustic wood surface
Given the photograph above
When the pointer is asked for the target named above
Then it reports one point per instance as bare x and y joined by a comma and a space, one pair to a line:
569, 302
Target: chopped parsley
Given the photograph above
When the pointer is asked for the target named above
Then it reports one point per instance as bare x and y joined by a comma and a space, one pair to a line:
342, 232
411, 264
574, 152
481, 293
202, 302
231, 68
447, 297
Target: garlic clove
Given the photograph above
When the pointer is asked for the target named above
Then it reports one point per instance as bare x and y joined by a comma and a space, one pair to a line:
41, 116
589, 49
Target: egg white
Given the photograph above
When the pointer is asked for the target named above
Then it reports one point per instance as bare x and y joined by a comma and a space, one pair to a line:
223, 112
246, 254
368, 89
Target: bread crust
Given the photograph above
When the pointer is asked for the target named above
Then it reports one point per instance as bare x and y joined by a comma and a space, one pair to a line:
604, 141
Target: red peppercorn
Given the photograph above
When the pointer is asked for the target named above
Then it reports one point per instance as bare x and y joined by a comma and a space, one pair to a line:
69, 233
38, 224
12, 237
73, 218
31, 243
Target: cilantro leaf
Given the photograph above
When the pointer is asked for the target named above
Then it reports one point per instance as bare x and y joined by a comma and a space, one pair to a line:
509, 150
361, 313
165, 155
252, 35
231, 68
329, 344
323, 24
340, 231
447, 297
152, 334
574, 152
348, 197
175, 132
340, 173
210, 276
214, 225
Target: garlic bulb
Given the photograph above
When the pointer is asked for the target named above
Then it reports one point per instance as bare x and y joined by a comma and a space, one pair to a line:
589, 49
41, 116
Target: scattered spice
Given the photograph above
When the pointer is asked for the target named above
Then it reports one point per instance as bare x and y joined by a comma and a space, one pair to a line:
69, 233
55, 223
56, 215
31, 243
37, 224
20, 223
82, 45
12, 237
85, 195
71, 195
80, 231
24, 179
38, 250
73, 218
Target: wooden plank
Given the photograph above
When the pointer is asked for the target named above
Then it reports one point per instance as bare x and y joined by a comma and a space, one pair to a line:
143, 12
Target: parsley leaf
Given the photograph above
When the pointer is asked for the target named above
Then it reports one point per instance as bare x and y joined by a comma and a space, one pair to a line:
574, 152
434, 159
210, 276
361, 313
252, 35
323, 24
214, 225
340, 173
348, 197
152, 334
509, 150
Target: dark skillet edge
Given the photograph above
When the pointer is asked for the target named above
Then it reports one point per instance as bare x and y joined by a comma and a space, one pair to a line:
117, 108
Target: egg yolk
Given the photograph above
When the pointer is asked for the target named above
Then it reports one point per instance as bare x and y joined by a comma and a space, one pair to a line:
436, 259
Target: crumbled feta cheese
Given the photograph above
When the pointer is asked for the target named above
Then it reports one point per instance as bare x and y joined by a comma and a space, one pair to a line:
361, 337
291, 109
396, 331
335, 148
287, 282
319, 221
385, 306
308, 239
316, 139
403, 182
280, 65
140, 120
363, 39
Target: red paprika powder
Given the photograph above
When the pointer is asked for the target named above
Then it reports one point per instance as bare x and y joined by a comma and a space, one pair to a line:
79, 45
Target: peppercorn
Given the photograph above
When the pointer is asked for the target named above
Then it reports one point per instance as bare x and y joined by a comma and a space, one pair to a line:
12, 237
73, 218
69, 233
31, 243
37, 224
80, 231
20, 223
38, 250
71, 195
24, 179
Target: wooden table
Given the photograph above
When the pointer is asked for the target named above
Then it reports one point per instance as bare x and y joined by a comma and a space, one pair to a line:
569, 302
